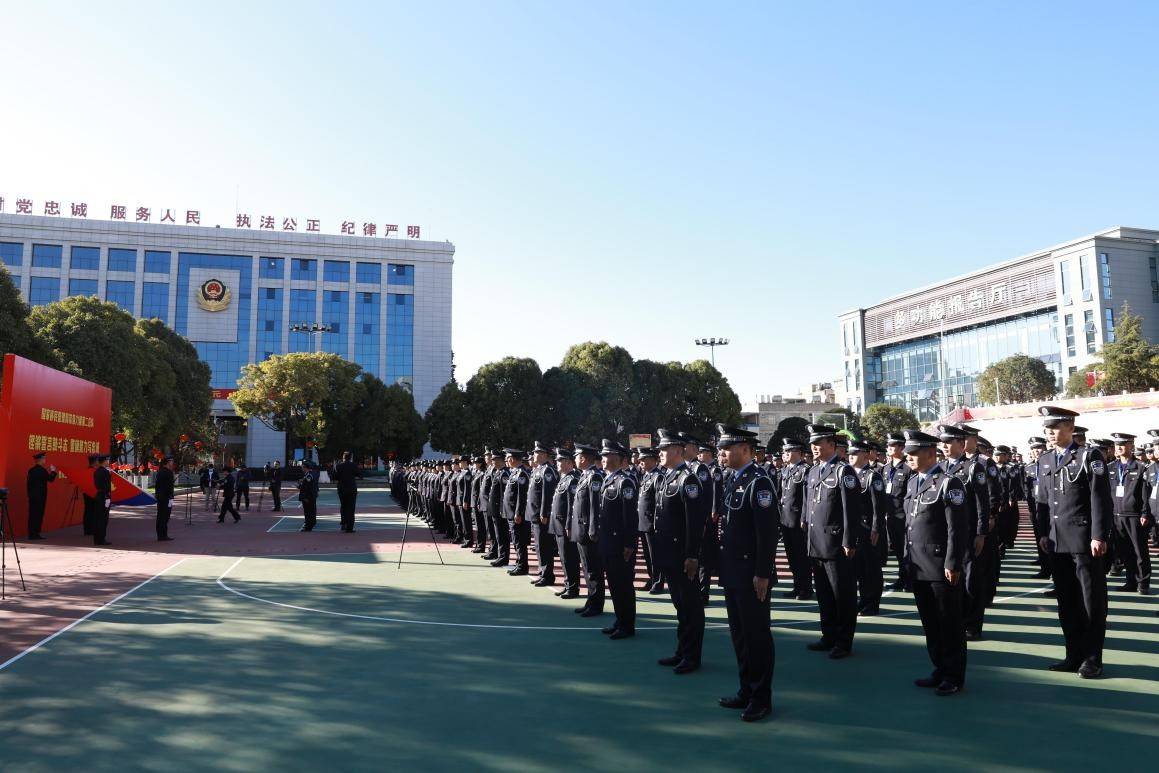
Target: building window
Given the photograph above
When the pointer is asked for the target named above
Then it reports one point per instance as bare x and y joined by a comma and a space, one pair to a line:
1090, 330
84, 259
304, 269
271, 268
1105, 275
270, 292
155, 297
1109, 327
270, 314
156, 262
1064, 278
400, 274
335, 312
336, 271
120, 293
269, 325
122, 260
46, 256
369, 273
1069, 325
44, 289
400, 341
82, 287
1084, 282
12, 254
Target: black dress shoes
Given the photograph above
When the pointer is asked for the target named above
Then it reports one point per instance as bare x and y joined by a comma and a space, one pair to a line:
1091, 669
819, 646
590, 613
620, 633
304, 528
755, 712
1069, 666
686, 667
734, 702
611, 629
928, 682
518, 571
947, 688
656, 589
669, 662
500, 562
839, 653
569, 594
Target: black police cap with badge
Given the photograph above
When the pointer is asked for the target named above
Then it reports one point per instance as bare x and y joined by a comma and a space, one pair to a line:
583, 449
916, 440
895, 439
563, 453
948, 433
515, 452
821, 432
612, 447
668, 437
1122, 438
731, 436
1052, 415
648, 453
540, 448
790, 444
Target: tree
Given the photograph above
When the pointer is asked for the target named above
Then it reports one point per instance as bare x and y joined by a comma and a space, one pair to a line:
609, 371
506, 401
448, 418
660, 389
708, 399
881, 419
792, 427
1076, 383
1131, 362
1016, 379
568, 400
16, 336
308, 395
179, 402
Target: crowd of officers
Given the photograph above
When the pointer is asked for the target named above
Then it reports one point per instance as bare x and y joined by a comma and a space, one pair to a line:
944, 505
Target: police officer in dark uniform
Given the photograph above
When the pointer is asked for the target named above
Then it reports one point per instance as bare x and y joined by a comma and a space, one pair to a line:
515, 507
476, 504
1077, 523
276, 485
616, 530
792, 504
709, 546
650, 481
346, 475
103, 480
682, 508
562, 499
308, 495
39, 476
974, 477
748, 544
833, 537
90, 504
495, 511
896, 474
228, 488
243, 487
539, 499
1036, 446
938, 537
163, 492
1132, 496
585, 514
874, 505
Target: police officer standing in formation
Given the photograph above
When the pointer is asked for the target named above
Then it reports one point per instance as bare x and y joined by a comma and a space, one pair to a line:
650, 483
496, 513
870, 559
1075, 512
615, 530
540, 493
937, 541
103, 481
682, 510
833, 537
477, 510
896, 473
792, 479
1133, 498
163, 492
973, 475
1030, 476
584, 516
346, 475
515, 507
39, 476
276, 485
562, 501
307, 495
748, 542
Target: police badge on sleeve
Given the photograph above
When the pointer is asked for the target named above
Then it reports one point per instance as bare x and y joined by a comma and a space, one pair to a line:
691, 490
956, 496
764, 499
849, 481
1097, 467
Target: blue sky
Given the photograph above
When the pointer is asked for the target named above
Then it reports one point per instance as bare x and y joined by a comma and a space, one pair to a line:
642, 173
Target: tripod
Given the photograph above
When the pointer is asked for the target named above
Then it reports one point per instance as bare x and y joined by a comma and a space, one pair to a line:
7, 535
429, 528
189, 503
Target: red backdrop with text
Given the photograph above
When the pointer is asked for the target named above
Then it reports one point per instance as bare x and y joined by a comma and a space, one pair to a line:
42, 409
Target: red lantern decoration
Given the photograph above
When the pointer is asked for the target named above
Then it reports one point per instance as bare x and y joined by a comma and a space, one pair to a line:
119, 437
197, 444
309, 444
184, 438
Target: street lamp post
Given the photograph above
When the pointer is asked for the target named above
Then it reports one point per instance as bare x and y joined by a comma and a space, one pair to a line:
712, 343
313, 328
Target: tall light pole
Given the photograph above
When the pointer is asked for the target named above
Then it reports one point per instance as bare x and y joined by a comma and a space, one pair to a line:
313, 328
712, 343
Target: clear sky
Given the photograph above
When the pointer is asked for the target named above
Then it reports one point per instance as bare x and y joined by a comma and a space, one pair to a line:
643, 173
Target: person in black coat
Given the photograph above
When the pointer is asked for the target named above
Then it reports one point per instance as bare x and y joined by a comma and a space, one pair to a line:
228, 488
276, 485
308, 495
615, 531
90, 504
103, 481
938, 539
163, 491
39, 476
584, 512
243, 487
346, 474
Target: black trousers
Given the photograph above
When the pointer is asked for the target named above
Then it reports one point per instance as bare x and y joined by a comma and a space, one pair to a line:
752, 640
649, 564
309, 512
502, 537
836, 588
90, 514
689, 613
36, 515
521, 536
1081, 585
493, 533
480, 528
228, 507
593, 571
569, 551
164, 510
545, 550
940, 608
100, 522
709, 554
620, 574
1131, 545
656, 573
1008, 526
793, 538
346, 503
276, 493
977, 577
242, 492
867, 562
895, 528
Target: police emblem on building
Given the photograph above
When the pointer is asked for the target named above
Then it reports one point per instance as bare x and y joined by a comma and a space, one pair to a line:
213, 295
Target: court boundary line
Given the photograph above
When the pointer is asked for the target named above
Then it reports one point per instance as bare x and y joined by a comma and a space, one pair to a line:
80, 620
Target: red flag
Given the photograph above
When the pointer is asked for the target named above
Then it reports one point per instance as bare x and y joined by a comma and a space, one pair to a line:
124, 493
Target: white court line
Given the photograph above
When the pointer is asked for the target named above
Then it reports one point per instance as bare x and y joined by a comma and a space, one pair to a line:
77, 622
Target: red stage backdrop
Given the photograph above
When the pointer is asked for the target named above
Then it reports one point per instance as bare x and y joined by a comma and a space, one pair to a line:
42, 409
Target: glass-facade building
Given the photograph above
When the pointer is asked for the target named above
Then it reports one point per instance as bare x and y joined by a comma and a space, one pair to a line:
236, 293
924, 350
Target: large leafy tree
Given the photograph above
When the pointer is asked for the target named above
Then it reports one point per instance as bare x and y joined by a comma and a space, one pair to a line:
16, 336
179, 392
880, 419
708, 399
660, 389
1129, 364
449, 419
568, 401
506, 403
1016, 379
383, 420
609, 370
308, 395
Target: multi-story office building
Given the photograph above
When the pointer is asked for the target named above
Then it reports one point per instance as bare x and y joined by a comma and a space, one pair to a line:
239, 294
924, 349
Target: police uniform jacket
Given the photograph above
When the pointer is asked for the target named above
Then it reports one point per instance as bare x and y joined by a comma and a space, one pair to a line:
1079, 507
616, 519
895, 475
345, 475
937, 525
308, 486
793, 479
874, 502
748, 528
163, 486
103, 481
973, 474
562, 500
1010, 476
37, 483
1131, 480
540, 492
275, 478
646, 505
515, 493
498, 487
832, 509
585, 507
682, 509
1030, 483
